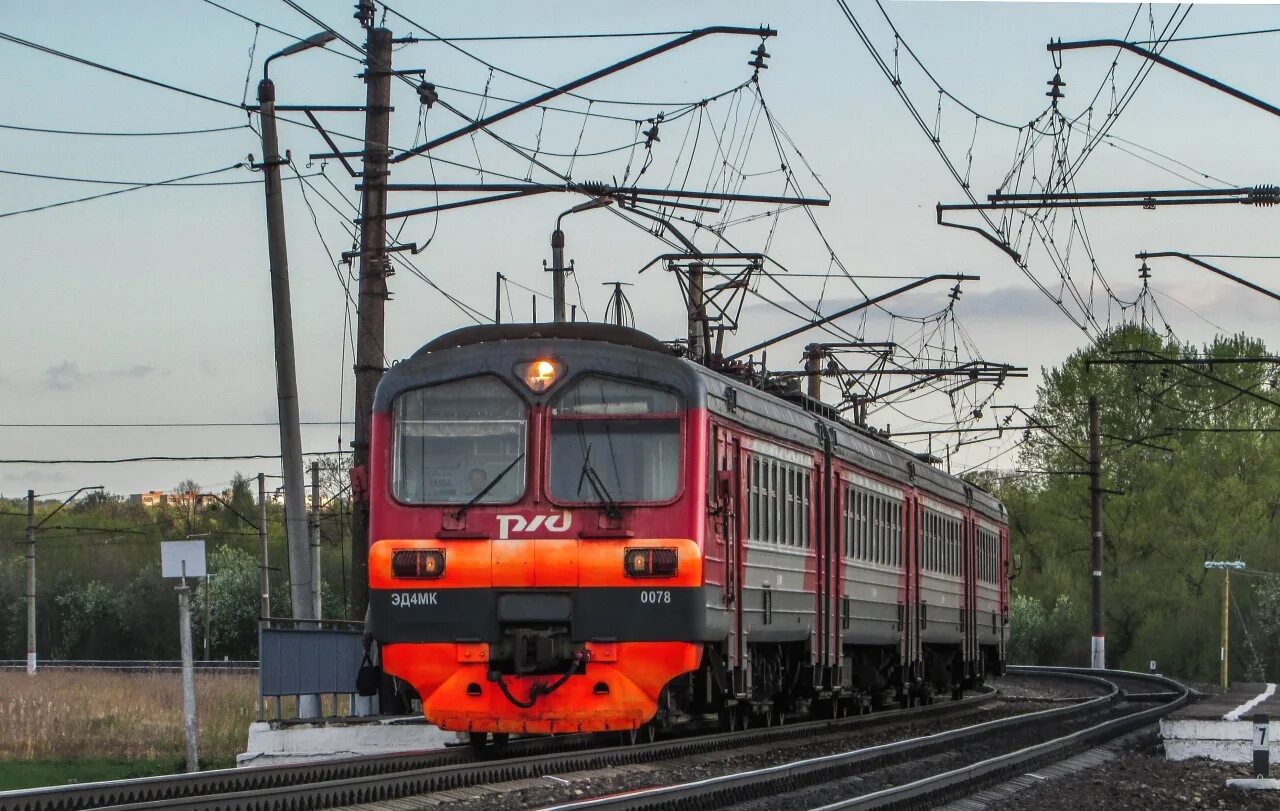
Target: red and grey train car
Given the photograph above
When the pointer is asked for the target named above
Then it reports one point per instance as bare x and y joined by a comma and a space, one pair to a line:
572, 529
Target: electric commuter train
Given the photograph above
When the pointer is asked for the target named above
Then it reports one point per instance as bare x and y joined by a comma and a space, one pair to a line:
572, 529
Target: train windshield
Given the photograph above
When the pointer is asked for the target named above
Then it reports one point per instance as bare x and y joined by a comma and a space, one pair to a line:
457, 440
614, 442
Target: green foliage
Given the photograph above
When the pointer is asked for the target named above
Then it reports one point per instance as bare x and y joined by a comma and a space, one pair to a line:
1056, 635
99, 589
91, 615
1214, 494
233, 603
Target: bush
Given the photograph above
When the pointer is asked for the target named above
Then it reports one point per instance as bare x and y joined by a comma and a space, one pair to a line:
1046, 636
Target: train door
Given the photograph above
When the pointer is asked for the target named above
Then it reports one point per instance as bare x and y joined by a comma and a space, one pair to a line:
909, 594
969, 604
823, 533
727, 518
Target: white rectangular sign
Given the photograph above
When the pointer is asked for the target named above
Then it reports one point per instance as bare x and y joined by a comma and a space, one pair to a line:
174, 554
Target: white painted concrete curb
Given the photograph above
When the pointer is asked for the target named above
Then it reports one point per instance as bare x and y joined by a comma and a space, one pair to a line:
300, 743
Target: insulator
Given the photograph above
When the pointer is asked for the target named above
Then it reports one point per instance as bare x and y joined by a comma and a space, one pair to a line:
365, 13
427, 94
1264, 195
593, 188
761, 54
1055, 87
1144, 272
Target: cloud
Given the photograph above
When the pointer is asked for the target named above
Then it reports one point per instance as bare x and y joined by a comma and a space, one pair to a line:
68, 375
133, 372
65, 375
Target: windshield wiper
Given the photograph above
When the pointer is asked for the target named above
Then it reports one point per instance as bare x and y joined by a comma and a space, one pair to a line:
484, 491
597, 485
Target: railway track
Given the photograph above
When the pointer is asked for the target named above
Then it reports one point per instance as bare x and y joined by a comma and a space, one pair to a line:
839, 782
356, 780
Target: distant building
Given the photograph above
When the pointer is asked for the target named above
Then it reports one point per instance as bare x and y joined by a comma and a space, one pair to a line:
161, 498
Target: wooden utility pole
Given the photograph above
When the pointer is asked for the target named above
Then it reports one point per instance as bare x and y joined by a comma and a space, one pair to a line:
264, 573
31, 582
374, 267
315, 540
1098, 648
698, 343
1225, 651
1226, 627
813, 365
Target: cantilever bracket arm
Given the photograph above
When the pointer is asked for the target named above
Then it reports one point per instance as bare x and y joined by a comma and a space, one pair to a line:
1017, 257
957, 277
1144, 256
1056, 47
576, 83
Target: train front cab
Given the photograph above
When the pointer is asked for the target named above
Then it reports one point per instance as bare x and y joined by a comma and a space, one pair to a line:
535, 568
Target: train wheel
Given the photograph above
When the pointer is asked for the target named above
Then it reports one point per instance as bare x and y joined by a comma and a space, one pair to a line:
500, 740
957, 692
478, 741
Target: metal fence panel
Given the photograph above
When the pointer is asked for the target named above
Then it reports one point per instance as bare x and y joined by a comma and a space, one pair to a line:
302, 661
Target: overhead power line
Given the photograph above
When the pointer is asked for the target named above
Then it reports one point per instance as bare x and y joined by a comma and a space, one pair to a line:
139, 183
49, 131
26, 43
1209, 36
517, 37
122, 191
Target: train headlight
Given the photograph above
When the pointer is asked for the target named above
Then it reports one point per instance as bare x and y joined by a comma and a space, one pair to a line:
539, 375
417, 564
661, 562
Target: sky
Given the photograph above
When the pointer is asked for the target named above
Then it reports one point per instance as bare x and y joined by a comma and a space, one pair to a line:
153, 306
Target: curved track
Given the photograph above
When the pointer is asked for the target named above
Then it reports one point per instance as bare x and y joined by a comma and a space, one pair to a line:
785, 785
369, 779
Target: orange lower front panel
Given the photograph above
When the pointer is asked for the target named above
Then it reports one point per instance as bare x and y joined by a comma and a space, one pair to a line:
447, 676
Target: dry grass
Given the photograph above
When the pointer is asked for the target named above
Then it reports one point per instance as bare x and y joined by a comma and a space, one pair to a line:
66, 715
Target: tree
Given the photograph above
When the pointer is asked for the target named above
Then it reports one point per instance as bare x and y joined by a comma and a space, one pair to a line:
1217, 495
91, 615
233, 603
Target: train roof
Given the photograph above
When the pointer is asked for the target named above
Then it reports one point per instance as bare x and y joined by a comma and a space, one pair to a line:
576, 331
789, 416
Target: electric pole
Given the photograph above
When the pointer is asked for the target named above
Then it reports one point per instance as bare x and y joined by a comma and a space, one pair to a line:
264, 574
282, 314
1098, 650
1225, 651
698, 344
31, 582
557, 275
32, 526
315, 540
813, 369
374, 267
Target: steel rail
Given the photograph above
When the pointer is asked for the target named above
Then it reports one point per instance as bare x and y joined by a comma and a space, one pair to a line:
349, 781
961, 782
714, 791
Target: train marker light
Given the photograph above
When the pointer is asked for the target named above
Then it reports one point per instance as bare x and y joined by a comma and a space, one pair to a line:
661, 562
540, 375
417, 564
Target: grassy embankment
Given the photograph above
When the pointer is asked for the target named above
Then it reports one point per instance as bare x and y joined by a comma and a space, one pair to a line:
60, 726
